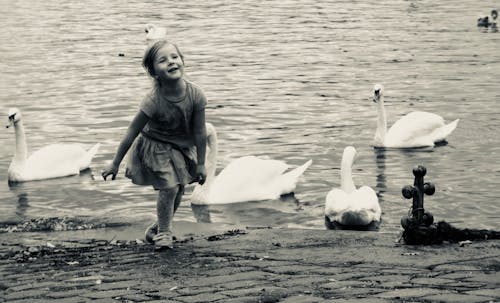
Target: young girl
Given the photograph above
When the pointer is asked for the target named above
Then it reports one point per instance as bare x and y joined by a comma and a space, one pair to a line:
168, 135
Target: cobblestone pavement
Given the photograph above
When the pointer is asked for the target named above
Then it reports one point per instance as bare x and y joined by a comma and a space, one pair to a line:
254, 265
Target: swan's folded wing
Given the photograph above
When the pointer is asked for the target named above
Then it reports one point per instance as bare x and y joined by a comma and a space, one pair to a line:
249, 171
245, 179
85, 161
441, 133
414, 127
367, 199
56, 160
336, 201
363, 201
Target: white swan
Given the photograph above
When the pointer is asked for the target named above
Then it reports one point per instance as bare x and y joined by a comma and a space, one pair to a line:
154, 33
52, 161
416, 129
350, 208
244, 179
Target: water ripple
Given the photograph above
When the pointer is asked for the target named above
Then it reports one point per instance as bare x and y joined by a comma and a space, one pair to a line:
289, 80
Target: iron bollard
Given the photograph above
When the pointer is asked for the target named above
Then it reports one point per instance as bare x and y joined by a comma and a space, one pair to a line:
419, 226
418, 216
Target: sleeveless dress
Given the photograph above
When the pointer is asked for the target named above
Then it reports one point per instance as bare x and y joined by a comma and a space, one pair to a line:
164, 154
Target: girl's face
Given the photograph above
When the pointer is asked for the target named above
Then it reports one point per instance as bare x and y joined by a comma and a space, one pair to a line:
168, 64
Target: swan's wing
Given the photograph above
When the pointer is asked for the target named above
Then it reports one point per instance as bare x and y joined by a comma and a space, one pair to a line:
56, 160
368, 200
63, 155
87, 159
245, 179
361, 205
336, 201
413, 130
441, 133
250, 170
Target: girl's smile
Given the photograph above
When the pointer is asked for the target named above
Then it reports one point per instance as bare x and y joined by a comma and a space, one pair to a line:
172, 69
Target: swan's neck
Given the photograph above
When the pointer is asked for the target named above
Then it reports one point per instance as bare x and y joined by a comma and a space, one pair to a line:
381, 121
346, 182
21, 152
211, 161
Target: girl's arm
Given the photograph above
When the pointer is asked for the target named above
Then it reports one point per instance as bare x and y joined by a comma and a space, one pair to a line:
133, 130
200, 141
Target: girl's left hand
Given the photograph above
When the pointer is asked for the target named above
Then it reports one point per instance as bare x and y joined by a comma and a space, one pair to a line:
201, 174
112, 170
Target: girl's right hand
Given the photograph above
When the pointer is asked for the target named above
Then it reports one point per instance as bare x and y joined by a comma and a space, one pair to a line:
201, 174
110, 170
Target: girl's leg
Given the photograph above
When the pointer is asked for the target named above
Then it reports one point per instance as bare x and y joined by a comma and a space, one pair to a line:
178, 198
165, 208
163, 212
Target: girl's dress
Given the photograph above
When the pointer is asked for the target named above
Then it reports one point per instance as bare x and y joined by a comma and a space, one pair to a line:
164, 154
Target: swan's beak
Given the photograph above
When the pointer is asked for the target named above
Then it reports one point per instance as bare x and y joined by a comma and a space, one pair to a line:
376, 95
11, 122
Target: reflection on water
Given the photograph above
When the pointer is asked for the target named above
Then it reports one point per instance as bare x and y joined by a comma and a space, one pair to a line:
201, 213
248, 213
289, 81
380, 161
381, 177
22, 205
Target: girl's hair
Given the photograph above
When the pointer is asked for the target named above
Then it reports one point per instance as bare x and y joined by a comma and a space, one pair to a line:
150, 55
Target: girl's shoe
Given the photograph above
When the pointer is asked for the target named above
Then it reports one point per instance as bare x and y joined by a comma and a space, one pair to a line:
151, 232
163, 240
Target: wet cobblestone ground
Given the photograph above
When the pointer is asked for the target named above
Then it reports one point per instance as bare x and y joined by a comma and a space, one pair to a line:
256, 265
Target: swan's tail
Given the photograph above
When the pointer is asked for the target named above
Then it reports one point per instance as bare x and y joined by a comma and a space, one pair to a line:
290, 179
85, 163
441, 133
297, 172
91, 152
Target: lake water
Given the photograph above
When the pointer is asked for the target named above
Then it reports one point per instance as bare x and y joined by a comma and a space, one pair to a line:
291, 80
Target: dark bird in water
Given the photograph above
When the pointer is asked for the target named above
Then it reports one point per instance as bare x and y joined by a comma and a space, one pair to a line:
488, 21
483, 21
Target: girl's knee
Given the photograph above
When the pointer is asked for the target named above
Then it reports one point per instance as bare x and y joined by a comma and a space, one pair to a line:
171, 191
168, 192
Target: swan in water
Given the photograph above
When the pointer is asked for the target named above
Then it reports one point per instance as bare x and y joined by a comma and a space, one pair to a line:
483, 21
154, 33
416, 129
52, 161
247, 178
350, 208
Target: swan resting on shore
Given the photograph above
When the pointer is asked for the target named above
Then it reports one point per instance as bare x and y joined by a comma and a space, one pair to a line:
51, 161
350, 208
416, 129
247, 178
